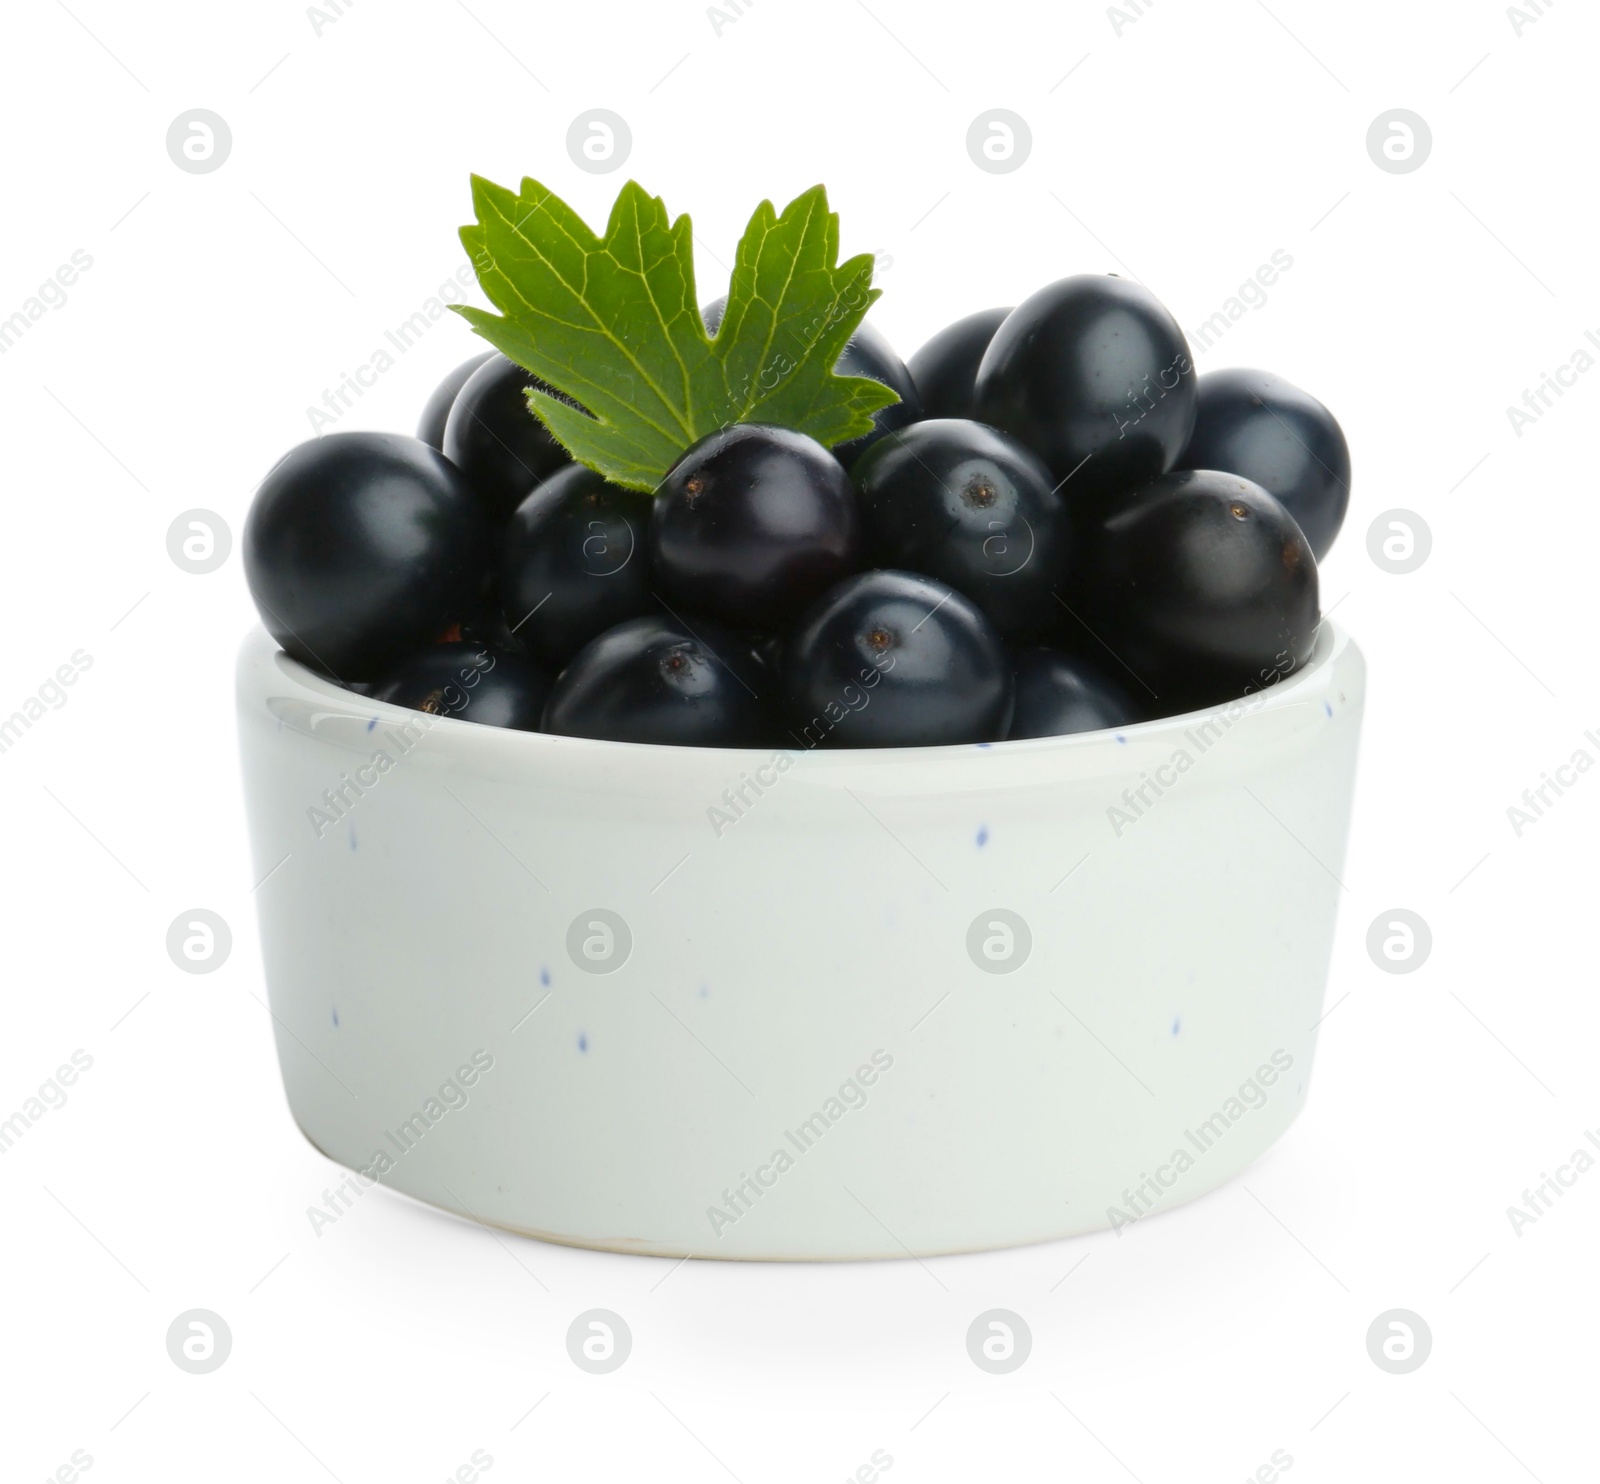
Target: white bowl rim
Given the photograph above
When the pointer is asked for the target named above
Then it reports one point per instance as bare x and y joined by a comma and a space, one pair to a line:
306, 685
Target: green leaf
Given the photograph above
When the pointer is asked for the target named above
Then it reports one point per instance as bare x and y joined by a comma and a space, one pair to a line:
613, 323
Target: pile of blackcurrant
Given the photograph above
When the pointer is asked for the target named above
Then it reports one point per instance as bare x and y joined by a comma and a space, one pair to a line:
1058, 527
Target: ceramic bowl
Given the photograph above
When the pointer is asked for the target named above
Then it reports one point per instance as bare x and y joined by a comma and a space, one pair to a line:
796, 1005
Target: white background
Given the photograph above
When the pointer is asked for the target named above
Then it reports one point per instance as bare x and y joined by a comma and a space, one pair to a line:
1184, 151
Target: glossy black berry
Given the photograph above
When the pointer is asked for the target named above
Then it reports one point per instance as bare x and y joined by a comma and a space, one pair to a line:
471, 682
1202, 585
1058, 693
574, 562
663, 681
944, 369
895, 659
361, 547
752, 523
966, 504
493, 437
866, 353
1093, 375
436, 411
1261, 427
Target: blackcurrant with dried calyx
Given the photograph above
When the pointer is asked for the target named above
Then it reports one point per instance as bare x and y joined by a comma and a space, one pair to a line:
360, 547
1202, 585
666, 681
470, 682
574, 561
967, 504
945, 368
1262, 428
895, 659
752, 523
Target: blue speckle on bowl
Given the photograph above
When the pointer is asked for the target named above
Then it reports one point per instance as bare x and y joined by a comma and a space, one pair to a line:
985, 746
336, 1017
983, 835
352, 837
372, 721
1177, 1025
1326, 707
544, 976
583, 1042
1121, 738
705, 991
